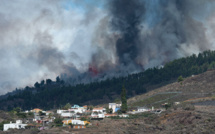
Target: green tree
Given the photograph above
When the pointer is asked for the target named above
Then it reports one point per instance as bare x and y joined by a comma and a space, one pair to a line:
42, 82
89, 107
124, 106
16, 110
67, 106
2, 124
119, 112
37, 85
21, 115
62, 82
109, 110
41, 113
58, 122
48, 81
30, 113
180, 79
58, 79
167, 105
117, 100
71, 125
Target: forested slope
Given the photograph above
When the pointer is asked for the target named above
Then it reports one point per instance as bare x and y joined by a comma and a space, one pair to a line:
55, 94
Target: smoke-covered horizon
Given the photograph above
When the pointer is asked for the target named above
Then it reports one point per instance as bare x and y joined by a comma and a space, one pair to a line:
84, 40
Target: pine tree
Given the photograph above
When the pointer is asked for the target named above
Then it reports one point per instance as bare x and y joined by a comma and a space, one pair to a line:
123, 100
67, 106
180, 79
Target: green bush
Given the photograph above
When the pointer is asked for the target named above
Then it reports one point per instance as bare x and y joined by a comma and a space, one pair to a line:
188, 107
2, 124
21, 115
180, 79
71, 125
58, 122
30, 114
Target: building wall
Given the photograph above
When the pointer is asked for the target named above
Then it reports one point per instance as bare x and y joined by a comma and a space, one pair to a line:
14, 126
60, 111
78, 127
78, 122
67, 114
78, 110
66, 122
114, 106
142, 110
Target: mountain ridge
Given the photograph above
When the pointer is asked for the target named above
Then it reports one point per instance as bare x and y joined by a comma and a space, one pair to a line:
53, 94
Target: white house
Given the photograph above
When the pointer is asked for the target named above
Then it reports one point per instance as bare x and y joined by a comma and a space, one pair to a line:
78, 122
75, 122
97, 115
99, 110
77, 109
177, 103
49, 113
124, 115
60, 111
67, 113
114, 106
17, 125
142, 109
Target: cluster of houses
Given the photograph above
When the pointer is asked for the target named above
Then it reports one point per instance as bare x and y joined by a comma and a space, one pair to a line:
76, 116
77, 111
39, 120
17, 125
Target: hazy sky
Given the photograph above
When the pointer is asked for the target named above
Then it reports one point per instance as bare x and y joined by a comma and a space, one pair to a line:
42, 39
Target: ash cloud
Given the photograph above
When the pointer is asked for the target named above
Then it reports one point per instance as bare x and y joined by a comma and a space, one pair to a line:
43, 39
154, 32
91, 40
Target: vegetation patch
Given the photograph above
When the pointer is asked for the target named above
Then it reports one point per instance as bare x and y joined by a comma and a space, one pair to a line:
155, 100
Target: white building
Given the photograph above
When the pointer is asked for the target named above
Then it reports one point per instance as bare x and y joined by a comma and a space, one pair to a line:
67, 114
77, 109
60, 111
17, 125
114, 106
78, 122
97, 115
177, 103
124, 115
142, 109
99, 110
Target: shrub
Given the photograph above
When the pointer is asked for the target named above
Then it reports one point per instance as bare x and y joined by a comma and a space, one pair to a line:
2, 124
22, 115
188, 107
71, 125
30, 114
180, 79
58, 122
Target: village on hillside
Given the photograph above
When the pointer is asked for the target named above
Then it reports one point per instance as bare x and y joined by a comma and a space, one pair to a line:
74, 117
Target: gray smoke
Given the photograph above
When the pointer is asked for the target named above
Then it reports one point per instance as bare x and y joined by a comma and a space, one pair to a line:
91, 40
153, 32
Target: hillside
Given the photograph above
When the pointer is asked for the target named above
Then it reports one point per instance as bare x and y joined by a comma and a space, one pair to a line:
196, 86
187, 117
54, 94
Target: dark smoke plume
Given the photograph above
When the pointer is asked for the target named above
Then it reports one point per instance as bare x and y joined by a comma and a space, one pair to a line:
93, 40
126, 19
153, 32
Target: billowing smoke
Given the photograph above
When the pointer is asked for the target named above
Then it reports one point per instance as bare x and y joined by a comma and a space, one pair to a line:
90, 40
148, 33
